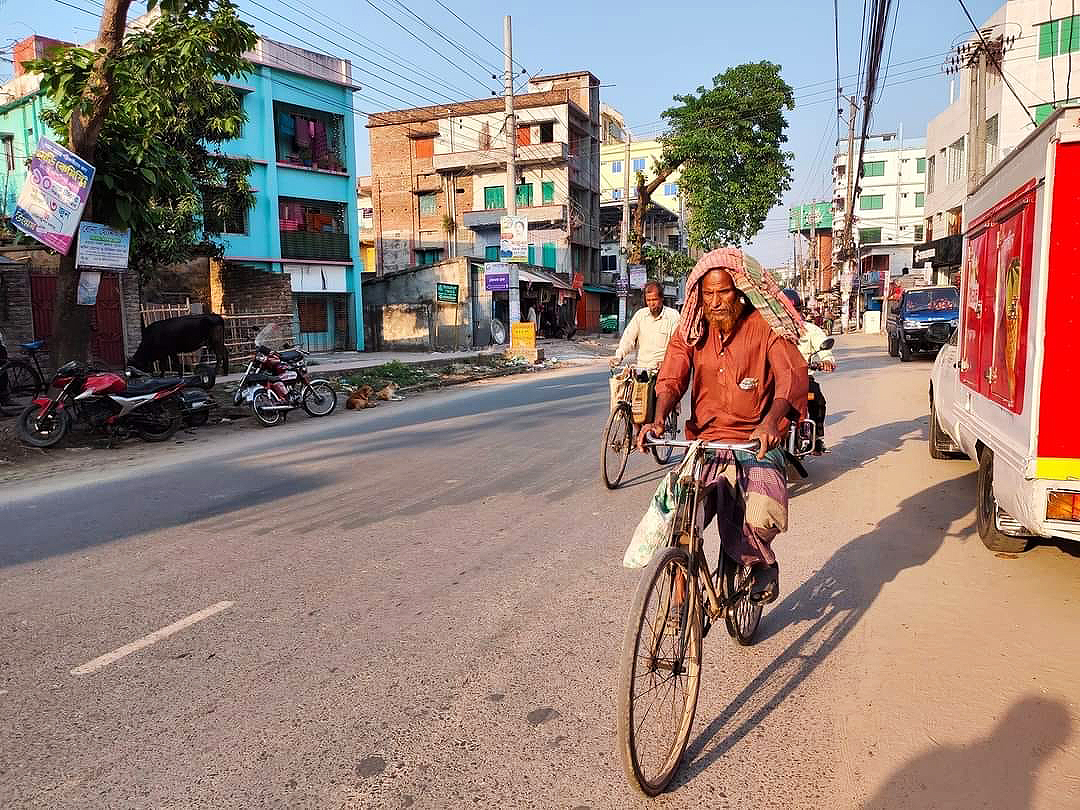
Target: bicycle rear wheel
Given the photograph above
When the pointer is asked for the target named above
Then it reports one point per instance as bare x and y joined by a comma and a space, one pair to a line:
659, 674
617, 446
20, 384
744, 614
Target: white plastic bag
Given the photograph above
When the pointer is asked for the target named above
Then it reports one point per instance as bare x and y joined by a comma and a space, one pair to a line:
654, 530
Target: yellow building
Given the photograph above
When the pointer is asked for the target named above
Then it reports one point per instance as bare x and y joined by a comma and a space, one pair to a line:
643, 157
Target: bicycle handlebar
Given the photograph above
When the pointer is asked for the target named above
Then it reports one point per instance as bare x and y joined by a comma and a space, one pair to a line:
750, 447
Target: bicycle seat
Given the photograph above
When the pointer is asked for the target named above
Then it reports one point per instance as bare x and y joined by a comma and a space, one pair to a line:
151, 385
32, 346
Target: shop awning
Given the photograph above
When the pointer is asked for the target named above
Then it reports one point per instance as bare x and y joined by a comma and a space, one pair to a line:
540, 277
599, 289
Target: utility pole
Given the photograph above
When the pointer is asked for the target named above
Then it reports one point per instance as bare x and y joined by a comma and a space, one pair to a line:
977, 118
510, 189
847, 278
624, 235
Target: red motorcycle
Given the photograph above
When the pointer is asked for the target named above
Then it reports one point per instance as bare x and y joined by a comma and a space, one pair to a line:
104, 402
276, 381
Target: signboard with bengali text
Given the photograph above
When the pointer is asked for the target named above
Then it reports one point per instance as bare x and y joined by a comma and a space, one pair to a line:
51, 203
102, 247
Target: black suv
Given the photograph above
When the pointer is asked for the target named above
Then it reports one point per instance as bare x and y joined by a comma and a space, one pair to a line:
921, 320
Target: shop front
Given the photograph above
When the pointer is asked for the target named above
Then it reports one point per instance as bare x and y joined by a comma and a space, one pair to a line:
598, 302
940, 260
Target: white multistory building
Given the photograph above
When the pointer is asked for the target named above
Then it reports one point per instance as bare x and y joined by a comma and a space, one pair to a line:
1039, 39
888, 209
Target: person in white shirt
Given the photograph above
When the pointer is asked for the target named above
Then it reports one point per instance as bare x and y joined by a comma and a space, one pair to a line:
810, 348
648, 331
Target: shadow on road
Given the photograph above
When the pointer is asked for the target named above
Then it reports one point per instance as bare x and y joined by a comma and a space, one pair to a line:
856, 451
998, 770
831, 603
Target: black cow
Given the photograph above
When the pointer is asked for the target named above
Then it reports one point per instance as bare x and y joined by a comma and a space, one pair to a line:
167, 339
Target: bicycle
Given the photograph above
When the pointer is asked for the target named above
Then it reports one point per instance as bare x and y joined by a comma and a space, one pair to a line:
621, 431
20, 382
661, 654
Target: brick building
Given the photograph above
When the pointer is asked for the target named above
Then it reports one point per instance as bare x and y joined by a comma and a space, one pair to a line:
438, 176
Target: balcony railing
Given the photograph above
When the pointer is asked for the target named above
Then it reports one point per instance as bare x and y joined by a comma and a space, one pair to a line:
490, 218
315, 246
491, 158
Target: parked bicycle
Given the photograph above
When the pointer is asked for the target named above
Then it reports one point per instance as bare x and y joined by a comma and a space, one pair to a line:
20, 380
678, 601
621, 431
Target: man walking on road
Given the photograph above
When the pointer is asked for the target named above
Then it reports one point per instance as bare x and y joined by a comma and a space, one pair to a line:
747, 380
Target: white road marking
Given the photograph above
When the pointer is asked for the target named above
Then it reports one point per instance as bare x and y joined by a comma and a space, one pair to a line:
152, 638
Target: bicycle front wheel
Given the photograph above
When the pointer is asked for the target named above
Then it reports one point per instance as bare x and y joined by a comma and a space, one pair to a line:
618, 444
659, 673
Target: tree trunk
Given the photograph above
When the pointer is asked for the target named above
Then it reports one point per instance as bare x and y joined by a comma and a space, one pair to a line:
71, 322
644, 197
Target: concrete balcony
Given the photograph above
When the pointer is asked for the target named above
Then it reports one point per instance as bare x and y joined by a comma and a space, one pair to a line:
535, 214
494, 158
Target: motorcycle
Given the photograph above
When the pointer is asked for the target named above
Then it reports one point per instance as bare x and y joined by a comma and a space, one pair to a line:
806, 436
103, 402
195, 402
276, 381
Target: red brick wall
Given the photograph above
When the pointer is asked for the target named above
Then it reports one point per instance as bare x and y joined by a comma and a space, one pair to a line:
240, 289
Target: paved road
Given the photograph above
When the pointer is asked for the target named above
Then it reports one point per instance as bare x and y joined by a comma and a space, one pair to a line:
422, 606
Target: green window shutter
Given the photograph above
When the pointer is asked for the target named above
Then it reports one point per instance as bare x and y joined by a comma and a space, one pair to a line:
548, 191
1042, 112
1070, 35
491, 253
871, 202
548, 255
494, 197
869, 235
532, 254
1048, 36
524, 195
920, 199
428, 203
875, 168
920, 165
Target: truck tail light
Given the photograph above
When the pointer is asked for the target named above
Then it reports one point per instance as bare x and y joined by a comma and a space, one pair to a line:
1062, 505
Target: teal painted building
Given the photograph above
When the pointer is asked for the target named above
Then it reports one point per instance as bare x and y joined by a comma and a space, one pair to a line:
301, 139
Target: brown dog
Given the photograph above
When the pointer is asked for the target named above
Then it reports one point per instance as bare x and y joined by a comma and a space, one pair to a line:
389, 393
362, 397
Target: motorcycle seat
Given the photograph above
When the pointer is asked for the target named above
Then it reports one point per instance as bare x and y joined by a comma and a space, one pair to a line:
151, 385
290, 356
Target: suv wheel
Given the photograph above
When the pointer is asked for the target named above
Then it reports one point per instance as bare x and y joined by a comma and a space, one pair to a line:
986, 509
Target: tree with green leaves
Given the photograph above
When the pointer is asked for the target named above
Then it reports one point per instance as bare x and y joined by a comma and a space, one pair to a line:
662, 263
726, 141
150, 110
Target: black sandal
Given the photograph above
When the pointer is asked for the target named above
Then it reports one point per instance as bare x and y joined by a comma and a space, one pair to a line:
766, 586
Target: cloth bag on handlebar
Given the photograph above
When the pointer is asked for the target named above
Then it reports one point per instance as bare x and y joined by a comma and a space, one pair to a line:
654, 530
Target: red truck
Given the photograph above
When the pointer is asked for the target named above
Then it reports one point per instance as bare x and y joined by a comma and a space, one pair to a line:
1002, 388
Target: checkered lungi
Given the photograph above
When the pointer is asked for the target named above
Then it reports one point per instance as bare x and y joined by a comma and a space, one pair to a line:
751, 499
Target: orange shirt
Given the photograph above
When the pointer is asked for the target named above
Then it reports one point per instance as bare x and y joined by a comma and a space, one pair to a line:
736, 380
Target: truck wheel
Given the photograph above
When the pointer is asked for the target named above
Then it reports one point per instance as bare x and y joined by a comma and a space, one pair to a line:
937, 438
893, 351
986, 511
905, 352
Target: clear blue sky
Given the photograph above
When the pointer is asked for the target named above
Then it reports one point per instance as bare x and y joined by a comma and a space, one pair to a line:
685, 45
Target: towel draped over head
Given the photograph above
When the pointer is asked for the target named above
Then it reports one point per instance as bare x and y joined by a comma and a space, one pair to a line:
753, 281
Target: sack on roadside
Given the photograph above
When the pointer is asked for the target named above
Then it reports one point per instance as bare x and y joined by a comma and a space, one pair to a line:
654, 530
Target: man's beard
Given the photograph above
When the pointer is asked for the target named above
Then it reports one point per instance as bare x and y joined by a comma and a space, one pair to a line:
724, 321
